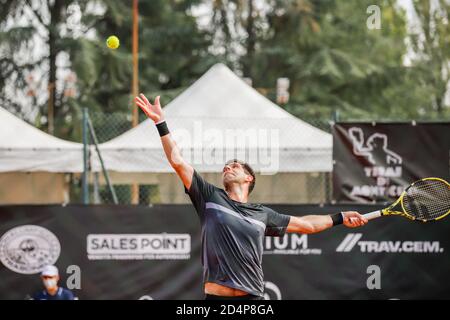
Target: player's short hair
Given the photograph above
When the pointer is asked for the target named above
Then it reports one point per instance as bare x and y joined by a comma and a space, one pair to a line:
248, 170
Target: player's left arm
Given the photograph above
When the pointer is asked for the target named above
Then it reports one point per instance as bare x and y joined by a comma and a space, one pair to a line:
318, 223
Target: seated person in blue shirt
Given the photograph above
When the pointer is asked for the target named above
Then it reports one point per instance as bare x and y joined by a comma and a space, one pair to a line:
52, 291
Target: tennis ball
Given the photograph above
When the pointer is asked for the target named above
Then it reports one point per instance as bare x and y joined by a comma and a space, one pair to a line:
113, 42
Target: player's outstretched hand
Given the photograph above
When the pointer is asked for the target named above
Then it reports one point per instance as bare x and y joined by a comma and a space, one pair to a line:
153, 111
353, 219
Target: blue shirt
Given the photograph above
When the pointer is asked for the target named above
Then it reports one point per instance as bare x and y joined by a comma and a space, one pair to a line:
61, 294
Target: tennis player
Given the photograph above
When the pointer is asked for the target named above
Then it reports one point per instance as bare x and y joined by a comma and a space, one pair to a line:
232, 228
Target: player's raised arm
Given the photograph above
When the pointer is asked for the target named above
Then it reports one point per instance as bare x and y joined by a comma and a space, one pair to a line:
173, 154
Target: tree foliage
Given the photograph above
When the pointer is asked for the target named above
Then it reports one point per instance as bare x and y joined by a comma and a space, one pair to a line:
335, 63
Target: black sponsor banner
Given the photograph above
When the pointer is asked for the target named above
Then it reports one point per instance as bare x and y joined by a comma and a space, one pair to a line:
374, 162
133, 252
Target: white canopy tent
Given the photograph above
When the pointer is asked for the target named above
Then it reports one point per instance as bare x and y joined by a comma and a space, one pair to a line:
27, 149
218, 118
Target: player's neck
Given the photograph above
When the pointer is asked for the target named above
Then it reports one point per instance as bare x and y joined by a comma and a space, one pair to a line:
237, 193
52, 291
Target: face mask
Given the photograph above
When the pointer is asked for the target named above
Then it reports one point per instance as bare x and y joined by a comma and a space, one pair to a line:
50, 283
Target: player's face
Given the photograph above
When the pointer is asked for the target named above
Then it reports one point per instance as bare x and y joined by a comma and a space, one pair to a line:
233, 173
50, 282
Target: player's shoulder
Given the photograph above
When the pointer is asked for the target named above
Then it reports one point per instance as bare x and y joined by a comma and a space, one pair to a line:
253, 206
67, 294
199, 179
266, 209
40, 295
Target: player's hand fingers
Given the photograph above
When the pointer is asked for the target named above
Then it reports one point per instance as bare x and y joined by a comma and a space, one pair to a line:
349, 216
355, 222
144, 98
362, 222
356, 215
352, 214
141, 104
138, 99
348, 221
146, 109
157, 101
362, 219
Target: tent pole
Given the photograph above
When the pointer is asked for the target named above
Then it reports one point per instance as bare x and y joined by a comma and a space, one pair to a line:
96, 192
85, 188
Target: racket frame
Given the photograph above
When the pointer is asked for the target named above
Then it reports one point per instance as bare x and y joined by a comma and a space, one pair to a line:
389, 210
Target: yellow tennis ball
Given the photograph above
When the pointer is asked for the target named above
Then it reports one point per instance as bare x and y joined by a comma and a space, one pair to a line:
113, 42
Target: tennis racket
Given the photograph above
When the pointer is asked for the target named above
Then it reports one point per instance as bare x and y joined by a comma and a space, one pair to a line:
424, 200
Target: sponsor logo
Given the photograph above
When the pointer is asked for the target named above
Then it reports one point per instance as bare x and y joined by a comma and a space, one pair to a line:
353, 240
27, 249
291, 243
384, 164
260, 147
271, 291
375, 149
164, 246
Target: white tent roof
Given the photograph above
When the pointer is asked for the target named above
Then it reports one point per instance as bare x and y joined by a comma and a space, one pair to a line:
26, 148
218, 118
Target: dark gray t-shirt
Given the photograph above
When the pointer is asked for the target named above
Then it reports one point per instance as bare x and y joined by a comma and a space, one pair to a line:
232, 236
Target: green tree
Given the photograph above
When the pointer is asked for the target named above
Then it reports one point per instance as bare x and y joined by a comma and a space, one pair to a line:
68, 38
173, 53
32, 39
333, 60
430, 42
237, 26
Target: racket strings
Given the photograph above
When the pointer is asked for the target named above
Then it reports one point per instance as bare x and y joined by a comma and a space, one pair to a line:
427, 199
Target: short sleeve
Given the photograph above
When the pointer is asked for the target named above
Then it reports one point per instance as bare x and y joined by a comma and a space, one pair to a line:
276, 223
68, 295
199, 192
36, 296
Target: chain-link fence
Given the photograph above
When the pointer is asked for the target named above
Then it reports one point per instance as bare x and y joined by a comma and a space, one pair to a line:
290, 171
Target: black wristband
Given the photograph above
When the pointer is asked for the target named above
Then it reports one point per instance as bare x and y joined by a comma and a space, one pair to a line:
338, 218
162, 128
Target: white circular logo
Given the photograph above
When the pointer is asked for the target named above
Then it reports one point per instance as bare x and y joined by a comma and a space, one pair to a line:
27, 249
271, 291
